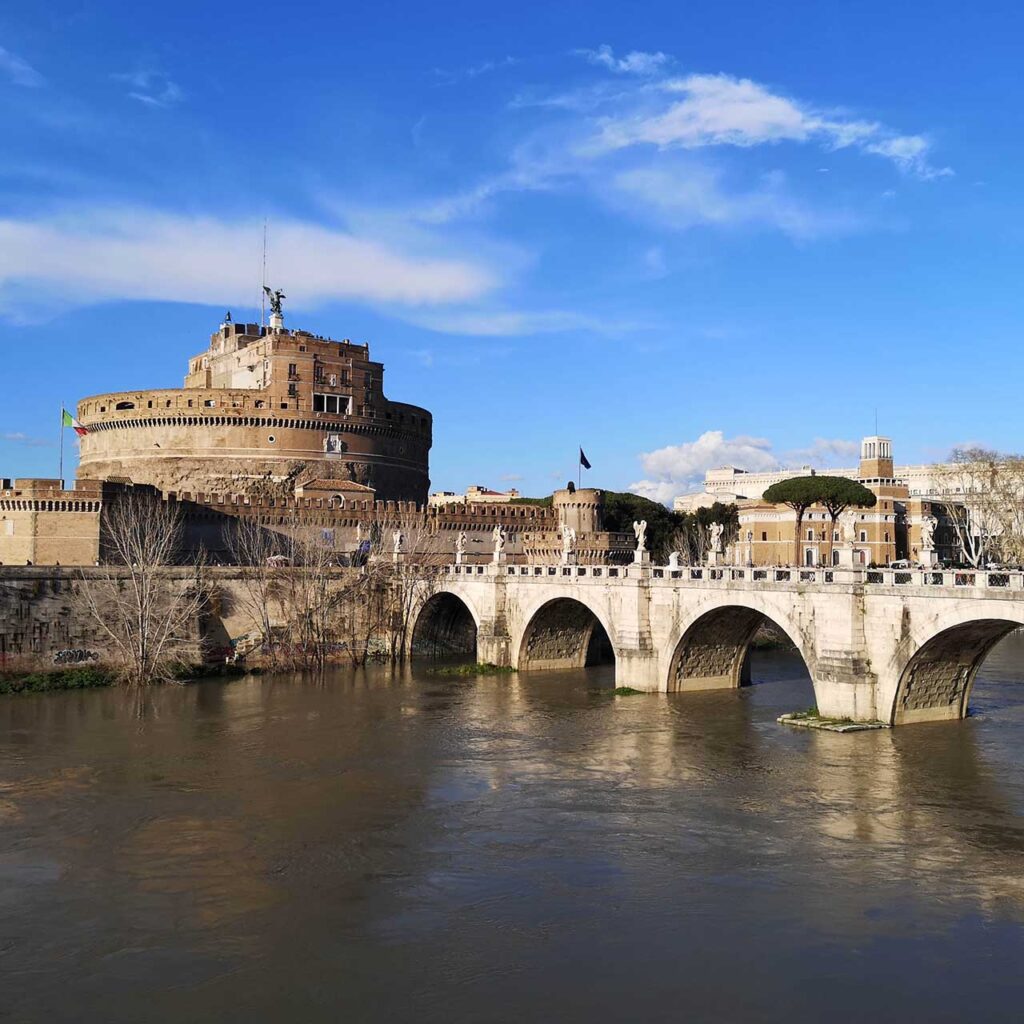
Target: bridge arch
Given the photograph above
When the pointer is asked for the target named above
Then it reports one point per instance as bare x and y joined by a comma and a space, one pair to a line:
710, 646
444, 626
936, 677
563, 633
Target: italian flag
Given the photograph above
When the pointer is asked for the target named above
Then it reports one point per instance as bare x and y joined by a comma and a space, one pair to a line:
67, 420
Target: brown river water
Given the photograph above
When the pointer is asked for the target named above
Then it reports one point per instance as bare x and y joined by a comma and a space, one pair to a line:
381, 847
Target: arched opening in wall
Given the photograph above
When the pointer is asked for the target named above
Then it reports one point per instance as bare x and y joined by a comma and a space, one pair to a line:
445, 628
564, 634
734, 646
936, 683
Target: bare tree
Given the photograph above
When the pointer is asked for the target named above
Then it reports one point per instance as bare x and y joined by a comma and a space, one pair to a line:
148, 612
970, 486
303, 582
406, 565
257, 550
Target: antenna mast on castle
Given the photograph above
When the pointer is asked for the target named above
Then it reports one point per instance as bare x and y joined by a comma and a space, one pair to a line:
263, 283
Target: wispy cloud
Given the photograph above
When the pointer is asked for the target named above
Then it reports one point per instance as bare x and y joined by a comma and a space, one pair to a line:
637, 62
513, 323
700, 111
678, 469
449, 76
152, 88
690, 193
669, 149
16, 437
95, 255
19, 71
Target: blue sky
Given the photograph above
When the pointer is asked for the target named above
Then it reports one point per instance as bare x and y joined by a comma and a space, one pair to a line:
681, 234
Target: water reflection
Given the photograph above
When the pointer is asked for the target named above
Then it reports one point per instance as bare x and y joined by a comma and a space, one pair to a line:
387, 844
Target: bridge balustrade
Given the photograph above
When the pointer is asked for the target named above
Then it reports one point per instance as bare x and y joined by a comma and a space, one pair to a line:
953, 579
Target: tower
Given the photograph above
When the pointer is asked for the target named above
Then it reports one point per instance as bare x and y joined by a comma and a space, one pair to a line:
875, 459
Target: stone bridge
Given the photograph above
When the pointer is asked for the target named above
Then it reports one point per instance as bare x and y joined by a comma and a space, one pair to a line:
889, 645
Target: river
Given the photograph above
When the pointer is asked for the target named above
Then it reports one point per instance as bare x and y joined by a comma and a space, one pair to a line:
381, 847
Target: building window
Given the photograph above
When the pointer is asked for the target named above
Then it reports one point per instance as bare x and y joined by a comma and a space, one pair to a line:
336, 404
887, 538
863, 537
810, 535
293, 390
293, 371
210, 403
764, 535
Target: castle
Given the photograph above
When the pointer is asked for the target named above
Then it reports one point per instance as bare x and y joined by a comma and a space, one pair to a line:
288, 427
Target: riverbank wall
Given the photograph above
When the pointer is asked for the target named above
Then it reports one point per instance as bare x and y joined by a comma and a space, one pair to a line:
45, 624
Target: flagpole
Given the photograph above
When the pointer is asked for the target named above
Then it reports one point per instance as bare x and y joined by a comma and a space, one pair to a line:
61, 470
579, 469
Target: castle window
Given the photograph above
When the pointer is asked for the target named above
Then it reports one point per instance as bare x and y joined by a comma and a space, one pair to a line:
125, 405
210, 403
259, 403
271, 438
293, 391
293, 371
336, 404
863, 537
764, 535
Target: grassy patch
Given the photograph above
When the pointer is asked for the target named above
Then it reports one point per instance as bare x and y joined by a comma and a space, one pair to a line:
80, 678
481, 668
625, 691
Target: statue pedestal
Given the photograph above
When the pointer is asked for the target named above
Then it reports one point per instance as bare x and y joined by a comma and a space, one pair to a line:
927, 557
499, 558
397, 557
568, 558
458, 557
642, 557
714, 558
847, 558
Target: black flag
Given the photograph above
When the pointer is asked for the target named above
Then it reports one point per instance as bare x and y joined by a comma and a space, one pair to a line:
584, 462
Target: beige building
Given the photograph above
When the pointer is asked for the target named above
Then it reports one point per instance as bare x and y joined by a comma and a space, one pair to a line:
475, 495
878, 535
261, 410
41, 523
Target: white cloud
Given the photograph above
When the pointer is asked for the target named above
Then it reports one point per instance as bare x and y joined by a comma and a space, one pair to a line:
678, 469
823, 452
17, 437
689, 194
19, 71
699, 111
152, 88
509, 323
637, 62
114, 253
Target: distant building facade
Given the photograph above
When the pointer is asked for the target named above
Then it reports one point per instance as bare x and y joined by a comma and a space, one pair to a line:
474, 495
886, 532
